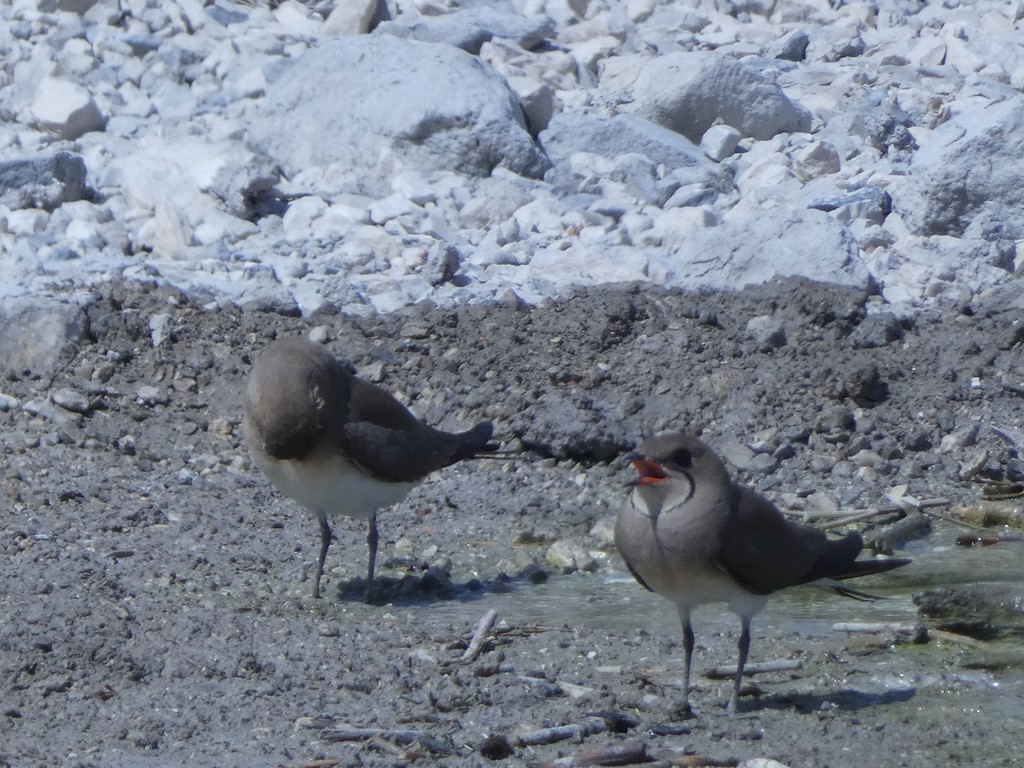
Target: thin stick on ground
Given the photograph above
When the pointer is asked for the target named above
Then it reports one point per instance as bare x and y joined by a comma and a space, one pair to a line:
476, 644
887, 509
779, 665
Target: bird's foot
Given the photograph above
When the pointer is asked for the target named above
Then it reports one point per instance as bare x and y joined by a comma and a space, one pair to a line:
682, 711
374, 594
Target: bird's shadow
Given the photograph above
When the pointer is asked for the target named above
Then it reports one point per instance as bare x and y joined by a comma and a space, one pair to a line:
843, 700
424, 585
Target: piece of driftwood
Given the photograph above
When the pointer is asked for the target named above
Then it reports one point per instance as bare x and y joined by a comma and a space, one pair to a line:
874, 626
690, 760
911, 629
620, 753
888, 509
779, 665
587, 727
476, 644
887, 539
363, 734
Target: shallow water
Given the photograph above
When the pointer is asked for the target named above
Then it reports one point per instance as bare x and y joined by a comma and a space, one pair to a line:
612, 600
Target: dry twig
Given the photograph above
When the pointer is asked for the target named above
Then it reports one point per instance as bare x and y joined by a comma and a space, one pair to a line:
479, 636
779, 665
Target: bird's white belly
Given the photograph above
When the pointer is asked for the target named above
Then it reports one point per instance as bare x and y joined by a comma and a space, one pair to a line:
329, 484
693, 587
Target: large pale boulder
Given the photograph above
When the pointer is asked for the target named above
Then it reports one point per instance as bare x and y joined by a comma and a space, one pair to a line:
691, 91
751, 251
352, 113
966, 180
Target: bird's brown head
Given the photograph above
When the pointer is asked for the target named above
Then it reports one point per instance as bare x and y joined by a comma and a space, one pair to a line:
292, 389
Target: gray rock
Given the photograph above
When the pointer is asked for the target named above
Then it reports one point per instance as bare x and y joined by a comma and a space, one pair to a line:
442, 262
979, 610
47, 410
348, 113
720, 141
877, 330
790, 47
568, 556
767, 331
356, 17
573, 132
42, 181
70, 400
961, 438
868, 203
40, 336
150, 395
865, 386
835, 419
603, 532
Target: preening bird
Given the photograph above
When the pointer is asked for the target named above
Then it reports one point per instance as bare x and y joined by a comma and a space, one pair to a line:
340, 445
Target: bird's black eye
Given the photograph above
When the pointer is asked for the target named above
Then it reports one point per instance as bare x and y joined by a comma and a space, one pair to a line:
682, 458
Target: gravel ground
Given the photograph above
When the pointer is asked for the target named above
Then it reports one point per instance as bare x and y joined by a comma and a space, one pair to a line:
156, 602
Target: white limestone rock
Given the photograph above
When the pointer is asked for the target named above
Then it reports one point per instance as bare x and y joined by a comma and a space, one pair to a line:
571, 132
65, 109
779, 243
470, 28
350, 114
720, 141
691, 91
355, 17
966, 180
183, 192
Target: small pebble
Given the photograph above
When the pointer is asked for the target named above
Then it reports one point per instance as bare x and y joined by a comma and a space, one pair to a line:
70, 400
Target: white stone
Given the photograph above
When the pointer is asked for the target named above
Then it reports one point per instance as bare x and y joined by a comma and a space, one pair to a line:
295, 18
691, 91
818, 159
537, 100
27, 221
353, 17
65, 109
720, 141
297, 221
779, 243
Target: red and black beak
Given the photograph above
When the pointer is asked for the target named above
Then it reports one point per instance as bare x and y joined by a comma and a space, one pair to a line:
650, 472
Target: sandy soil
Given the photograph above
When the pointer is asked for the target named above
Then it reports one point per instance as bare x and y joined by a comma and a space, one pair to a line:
156, 608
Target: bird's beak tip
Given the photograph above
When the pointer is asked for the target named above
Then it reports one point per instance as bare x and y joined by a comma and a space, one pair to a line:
650, 472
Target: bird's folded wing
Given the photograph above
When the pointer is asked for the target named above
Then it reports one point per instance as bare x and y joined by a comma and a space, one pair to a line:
762, 550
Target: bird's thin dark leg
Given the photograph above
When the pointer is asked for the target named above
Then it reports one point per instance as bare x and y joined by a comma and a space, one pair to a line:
325, 544
744, 648
688, 641
371, 543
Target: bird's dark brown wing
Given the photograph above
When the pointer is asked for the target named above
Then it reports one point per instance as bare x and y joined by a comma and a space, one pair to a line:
763, 551
382, 436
